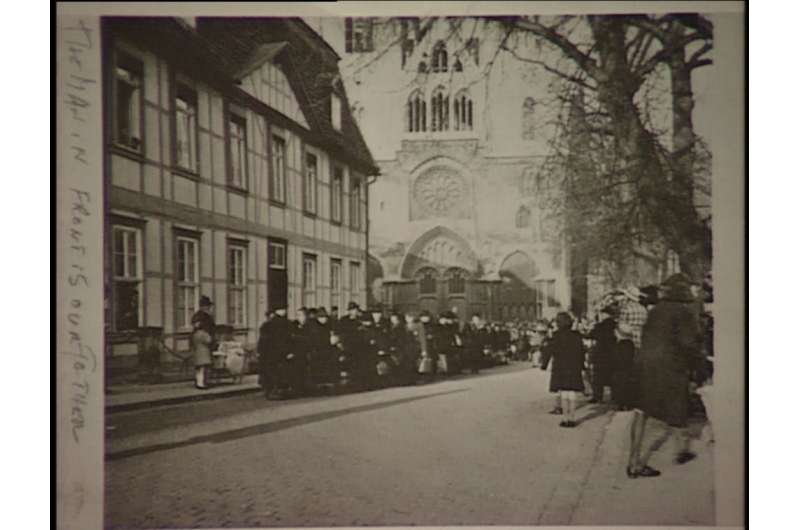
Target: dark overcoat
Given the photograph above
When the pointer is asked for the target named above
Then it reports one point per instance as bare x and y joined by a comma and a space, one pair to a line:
565, 349
202, 338
670, 351
603, 350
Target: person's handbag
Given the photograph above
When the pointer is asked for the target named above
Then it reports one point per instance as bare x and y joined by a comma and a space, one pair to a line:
426, 365
441, 364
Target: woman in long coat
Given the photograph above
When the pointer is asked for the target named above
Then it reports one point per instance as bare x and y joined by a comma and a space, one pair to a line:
202, 341
566, 350
670, 351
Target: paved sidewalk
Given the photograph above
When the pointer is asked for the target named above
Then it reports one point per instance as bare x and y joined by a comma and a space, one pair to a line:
609, 497
130, 397
122, 397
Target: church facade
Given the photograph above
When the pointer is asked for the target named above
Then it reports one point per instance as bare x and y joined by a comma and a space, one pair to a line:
458, 217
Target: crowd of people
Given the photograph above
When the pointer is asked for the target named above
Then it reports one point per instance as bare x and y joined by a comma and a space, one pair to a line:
653, 346
363, 350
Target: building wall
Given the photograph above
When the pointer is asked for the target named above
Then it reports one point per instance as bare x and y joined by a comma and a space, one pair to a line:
149, 194
490, 160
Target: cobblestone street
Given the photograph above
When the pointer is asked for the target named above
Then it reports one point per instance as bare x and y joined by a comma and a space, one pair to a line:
475, 450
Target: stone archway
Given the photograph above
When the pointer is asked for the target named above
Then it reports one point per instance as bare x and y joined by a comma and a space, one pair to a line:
519, 298
440, 248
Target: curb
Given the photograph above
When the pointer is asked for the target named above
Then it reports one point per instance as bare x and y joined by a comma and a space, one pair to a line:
138, 405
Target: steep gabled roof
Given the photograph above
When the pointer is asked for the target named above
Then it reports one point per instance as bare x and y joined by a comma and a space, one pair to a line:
311, 69
222, 50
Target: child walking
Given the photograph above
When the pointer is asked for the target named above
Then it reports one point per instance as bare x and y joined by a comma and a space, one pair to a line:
566, 350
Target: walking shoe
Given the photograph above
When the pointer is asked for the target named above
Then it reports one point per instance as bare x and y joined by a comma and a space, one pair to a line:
685, 456
557, 411
568, 423
648, 471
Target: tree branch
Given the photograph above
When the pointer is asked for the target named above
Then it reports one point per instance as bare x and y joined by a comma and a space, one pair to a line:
568, 77
694, 59
586, 63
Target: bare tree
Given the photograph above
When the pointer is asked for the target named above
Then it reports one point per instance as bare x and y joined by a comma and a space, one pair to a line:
627, 184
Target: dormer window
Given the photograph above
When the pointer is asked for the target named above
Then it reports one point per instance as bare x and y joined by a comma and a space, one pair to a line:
358, 35
336, 112
439, 62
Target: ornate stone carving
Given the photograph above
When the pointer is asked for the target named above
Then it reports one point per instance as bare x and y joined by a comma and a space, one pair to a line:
441, 191
444, 252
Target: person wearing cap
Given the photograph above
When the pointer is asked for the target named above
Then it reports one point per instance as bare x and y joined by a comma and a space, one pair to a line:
348, 329
478, 343
379, 322
443, 338
670, 352
274, 347
602, 353
299, 353
365, 356
398, 340
322, 357
630, 321
202, 340
417, 342
430, 350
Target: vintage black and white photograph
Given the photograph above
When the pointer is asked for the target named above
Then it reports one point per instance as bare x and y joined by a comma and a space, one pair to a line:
406, 270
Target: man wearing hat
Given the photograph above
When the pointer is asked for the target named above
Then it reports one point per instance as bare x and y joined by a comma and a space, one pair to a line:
274, 345
203, 341
602, 356
322, 358
631, 319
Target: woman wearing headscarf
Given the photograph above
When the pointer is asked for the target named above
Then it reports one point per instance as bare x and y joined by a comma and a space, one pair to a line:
670, 352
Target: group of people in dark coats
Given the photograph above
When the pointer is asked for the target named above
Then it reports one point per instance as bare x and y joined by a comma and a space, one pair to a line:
364, 350
652, 348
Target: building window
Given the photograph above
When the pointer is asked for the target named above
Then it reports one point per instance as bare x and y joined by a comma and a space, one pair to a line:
237, 286
336, 282
462, 111
310, 184
472, 49
355, 277
128, 102
277, 181
309, 280
277, 256
523, 219
358, 35
188, 281
237, 138
406, 50
528, 119
126, 278
456, 282
337, 192
530, 182
410, 31
186, 128
673, 264
336, 112
355, 203
439, 60
440, 103
457, 66
416, 112
427, 282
